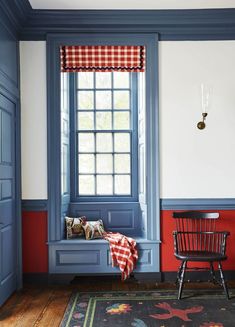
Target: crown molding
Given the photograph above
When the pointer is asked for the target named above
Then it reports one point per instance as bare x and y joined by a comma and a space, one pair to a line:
187, 24
23, 9
16, 13
203, 24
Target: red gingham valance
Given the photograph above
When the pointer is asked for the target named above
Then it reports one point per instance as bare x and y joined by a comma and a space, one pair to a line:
102, 58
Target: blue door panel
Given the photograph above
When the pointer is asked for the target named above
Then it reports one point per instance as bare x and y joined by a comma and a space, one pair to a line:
6, 137
6, 189
6, 212
8, 247
8, 265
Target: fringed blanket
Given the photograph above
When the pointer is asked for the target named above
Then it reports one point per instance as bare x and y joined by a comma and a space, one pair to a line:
123, 252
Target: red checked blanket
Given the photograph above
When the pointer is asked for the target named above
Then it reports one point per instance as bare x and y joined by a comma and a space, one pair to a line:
123, 252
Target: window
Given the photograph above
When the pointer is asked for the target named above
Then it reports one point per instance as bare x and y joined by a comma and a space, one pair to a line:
136, 214
105, 126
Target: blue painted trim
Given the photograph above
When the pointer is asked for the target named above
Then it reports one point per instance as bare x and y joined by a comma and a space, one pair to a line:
55, 227
203, 24
53, 139
197, 204
17, 12
152, 141
190, 24
34, 205
18, 195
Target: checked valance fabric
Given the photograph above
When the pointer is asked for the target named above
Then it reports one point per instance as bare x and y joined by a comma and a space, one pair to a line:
102, 58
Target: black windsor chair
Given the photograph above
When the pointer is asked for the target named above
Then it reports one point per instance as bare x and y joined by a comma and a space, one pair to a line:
197, 240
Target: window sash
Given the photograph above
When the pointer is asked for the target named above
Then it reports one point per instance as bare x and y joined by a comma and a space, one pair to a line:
133, 146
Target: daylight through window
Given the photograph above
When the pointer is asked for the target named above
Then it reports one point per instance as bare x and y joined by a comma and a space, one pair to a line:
104, 128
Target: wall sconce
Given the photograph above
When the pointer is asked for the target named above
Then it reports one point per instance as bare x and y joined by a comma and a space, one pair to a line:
206, 91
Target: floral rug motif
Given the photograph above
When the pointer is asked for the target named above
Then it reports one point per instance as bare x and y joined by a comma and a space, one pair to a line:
201, 308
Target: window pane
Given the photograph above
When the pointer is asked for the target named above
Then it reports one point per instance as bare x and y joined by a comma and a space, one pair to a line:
121, 99
85, 100
104, 142
122, 163
104, 184
103, 80
121, 80
103, 120
122, 185
86, 184
85, 120
121, 120
122, 142
86, 163
103, 100
104, 163
86, 142
85, 80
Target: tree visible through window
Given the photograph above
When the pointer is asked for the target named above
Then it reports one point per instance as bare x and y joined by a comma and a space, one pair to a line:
104, 128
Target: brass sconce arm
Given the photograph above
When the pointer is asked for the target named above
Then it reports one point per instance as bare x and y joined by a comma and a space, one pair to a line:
202, 124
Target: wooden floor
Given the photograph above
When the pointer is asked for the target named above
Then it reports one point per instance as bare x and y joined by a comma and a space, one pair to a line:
44, 306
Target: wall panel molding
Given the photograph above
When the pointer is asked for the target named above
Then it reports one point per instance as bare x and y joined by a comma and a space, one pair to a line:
197, 204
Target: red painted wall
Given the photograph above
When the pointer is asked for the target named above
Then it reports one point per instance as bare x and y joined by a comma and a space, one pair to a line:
35, 250
34, 239
168, 261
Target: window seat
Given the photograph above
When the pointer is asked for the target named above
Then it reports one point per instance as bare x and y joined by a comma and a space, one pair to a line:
81, 256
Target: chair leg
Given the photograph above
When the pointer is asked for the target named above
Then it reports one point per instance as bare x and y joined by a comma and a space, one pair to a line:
181, 284
212, 271
223, 280
179, 273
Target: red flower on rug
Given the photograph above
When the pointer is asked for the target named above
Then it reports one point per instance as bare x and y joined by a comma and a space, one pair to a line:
212, 324
172, 312
118, 308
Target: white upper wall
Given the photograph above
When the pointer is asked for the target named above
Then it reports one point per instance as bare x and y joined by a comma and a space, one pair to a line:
197, 163
131, 4
33, 119
193, 163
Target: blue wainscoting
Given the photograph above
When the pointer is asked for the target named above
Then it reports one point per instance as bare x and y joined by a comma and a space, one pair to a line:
93, 257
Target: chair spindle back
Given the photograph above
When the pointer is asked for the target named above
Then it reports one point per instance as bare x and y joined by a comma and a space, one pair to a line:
196, 231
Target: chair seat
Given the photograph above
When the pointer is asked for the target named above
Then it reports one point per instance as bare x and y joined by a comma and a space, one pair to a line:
200, 256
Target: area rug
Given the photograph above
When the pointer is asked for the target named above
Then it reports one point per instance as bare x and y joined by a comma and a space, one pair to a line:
201, 308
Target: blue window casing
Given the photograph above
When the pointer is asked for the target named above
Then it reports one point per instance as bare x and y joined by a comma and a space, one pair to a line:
60, 204
75, 197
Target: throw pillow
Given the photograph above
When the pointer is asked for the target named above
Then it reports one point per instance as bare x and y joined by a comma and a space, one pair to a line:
74, 227
93, 229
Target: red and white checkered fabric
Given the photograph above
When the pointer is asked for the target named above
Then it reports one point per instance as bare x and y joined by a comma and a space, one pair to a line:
102, 58
123, 252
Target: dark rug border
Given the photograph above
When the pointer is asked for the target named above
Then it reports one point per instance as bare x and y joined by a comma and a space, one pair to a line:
75, 294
